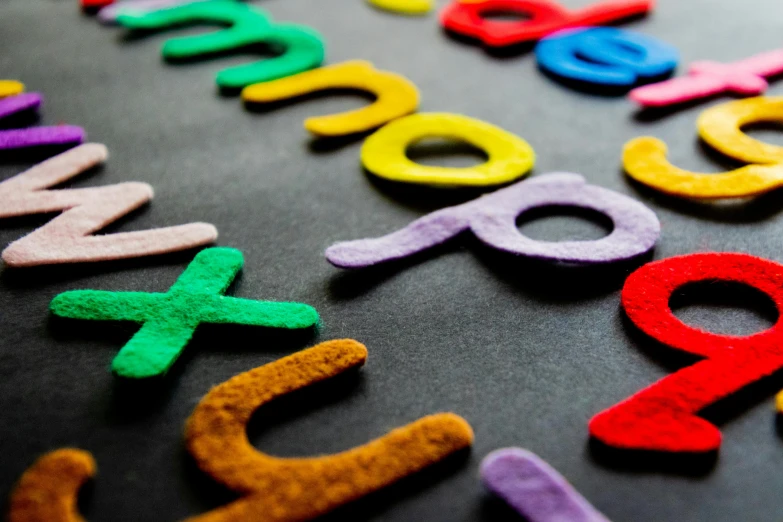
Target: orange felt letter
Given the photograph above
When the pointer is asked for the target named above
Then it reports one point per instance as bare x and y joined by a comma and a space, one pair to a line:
298, 489
48, 490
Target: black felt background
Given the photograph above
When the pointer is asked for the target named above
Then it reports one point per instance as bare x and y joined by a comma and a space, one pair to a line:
525, 353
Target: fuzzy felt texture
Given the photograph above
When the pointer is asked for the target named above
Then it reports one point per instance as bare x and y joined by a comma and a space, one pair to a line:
542, 18
41, 137
48, 490
396, 96
68, 237
605, 56
11, 105
721, 127
298, 489
304, 48
55, 135
244, 25
644, 159
534, 488
169, 320
664, 416
406, 7
10, 88
492, 218
704, 79
384, 153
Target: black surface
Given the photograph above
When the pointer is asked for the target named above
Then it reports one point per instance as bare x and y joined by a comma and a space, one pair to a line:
527, 354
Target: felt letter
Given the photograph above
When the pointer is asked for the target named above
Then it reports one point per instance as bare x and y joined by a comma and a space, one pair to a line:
68, 237
94, 4
396, 96
745, 77
109, 14
304, 47
721, 127
664, 416
169, 320
545, 17
383, 153
273, 489
48, 490
10, 88
605, 56
534, 488
298, 489
37, 136
492, 218
644, 159
408, 7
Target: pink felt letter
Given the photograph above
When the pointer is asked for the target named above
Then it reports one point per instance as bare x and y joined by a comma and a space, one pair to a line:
67, 238
707, 78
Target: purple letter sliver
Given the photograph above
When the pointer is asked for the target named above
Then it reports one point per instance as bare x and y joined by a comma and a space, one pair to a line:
492, 218
35, 136
433, 229
534, 489
21, 102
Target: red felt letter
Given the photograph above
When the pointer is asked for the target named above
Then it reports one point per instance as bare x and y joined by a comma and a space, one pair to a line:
546, 17
95, 4
663, 417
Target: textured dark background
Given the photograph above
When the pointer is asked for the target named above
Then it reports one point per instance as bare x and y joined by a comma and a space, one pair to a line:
525, 352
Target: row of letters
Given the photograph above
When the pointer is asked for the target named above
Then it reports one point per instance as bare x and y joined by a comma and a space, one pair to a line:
663, 417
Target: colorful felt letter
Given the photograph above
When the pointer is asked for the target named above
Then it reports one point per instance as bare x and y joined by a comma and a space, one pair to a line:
68, 237
169, 320
109, 14
492, 219
10, 88
664, 416
396, 96
644, 159
245, 25
545, 17
47, 491
286, 490
534, 488
95, 4
605, 56
384, 153
304, 47
36, 136
745, 77
721, 127
273, 489
408, 7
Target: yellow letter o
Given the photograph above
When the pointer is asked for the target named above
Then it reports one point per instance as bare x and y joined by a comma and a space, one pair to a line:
384, 153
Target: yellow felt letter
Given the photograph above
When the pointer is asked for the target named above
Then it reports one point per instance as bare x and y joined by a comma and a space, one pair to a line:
396, 96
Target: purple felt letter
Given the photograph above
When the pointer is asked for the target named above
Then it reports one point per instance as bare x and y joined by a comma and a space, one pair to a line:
492, 218
534, 489
36, 136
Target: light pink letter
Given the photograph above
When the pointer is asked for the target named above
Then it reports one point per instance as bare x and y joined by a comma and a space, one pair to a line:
67, 238
707, 78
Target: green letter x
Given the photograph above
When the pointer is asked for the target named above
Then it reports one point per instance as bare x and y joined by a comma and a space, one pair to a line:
169, 320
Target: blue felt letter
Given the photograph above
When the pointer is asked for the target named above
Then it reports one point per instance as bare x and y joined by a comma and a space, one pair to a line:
605, 56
